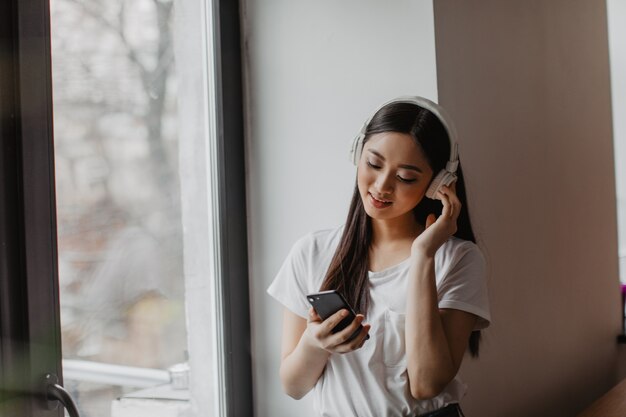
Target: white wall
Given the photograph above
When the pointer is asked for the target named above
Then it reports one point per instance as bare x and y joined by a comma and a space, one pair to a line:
616, 11
314, 72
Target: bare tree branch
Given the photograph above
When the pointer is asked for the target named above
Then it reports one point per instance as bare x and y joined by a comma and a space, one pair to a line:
119, 31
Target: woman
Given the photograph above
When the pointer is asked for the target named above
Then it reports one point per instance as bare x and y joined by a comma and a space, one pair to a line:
407, 261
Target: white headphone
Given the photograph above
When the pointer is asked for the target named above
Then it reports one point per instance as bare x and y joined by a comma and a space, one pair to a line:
446, 176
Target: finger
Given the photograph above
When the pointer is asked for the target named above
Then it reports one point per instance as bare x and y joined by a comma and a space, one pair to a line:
447, 209
359, 341
453, 198
430, 220
356, 343
366, 333
343, 336
449, 191
332, 321
313, 316
456, 203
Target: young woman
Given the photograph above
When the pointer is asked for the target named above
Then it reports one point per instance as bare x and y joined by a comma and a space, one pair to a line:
407, 261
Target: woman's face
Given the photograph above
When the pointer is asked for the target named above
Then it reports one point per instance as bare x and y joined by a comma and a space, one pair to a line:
393, 175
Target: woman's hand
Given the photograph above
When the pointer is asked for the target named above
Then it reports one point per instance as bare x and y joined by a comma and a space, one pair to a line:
319, 333
440, 229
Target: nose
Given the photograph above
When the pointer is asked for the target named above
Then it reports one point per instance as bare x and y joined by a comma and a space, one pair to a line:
384, 183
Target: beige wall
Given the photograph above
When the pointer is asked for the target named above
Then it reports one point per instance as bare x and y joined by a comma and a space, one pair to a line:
528, 85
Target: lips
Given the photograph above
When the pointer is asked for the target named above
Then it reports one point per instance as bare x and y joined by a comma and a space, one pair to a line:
378, 203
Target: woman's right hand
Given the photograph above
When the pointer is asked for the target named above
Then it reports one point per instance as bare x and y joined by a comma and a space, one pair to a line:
320, 333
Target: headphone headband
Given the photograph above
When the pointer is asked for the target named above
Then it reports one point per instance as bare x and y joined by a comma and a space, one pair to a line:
425, 103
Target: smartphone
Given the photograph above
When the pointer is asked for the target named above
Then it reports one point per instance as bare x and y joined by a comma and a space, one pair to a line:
327, 303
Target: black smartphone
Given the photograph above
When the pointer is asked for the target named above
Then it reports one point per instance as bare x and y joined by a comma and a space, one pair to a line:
327, 303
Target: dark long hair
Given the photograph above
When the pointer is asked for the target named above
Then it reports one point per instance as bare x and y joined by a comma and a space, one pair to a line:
348, 270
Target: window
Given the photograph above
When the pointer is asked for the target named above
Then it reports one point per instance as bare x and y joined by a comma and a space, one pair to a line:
148, 124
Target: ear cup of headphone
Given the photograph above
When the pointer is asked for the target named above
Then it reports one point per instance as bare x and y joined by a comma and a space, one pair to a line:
357, 149
443, 178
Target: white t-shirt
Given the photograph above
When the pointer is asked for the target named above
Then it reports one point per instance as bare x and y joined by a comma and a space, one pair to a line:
373, 381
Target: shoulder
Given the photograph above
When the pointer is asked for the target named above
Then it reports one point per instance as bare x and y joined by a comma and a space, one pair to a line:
456, 248
462, 279
302, 272
319, 241
458, 253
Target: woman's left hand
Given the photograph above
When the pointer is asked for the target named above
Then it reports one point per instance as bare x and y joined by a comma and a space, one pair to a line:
439, 229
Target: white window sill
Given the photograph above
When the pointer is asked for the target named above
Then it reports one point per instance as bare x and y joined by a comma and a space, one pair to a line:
160, 401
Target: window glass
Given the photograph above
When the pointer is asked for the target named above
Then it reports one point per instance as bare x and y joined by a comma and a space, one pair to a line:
121, 269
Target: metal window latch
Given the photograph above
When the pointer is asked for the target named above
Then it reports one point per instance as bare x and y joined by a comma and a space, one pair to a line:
56, 393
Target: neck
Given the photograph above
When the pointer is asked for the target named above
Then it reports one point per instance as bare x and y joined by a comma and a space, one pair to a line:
387, 231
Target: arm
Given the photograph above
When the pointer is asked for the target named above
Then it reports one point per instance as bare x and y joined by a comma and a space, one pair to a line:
436, 339
301, 363
307, 345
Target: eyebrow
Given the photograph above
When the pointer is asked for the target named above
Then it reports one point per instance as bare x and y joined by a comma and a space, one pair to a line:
405, 166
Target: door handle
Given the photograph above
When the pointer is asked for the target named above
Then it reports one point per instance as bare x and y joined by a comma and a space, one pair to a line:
56, 392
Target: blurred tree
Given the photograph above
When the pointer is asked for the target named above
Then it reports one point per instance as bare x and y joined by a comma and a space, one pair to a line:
152, 59
117, 159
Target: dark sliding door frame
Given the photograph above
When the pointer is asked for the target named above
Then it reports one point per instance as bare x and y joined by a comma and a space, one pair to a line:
30, 309
234, 239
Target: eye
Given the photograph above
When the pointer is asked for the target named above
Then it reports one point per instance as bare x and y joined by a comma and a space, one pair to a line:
407, 180
372, 165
